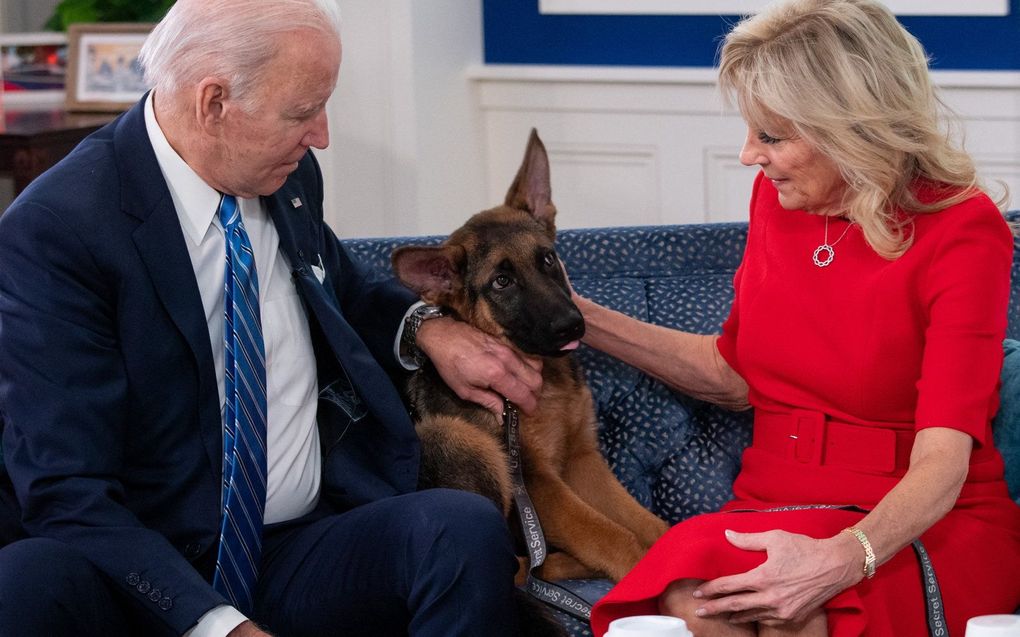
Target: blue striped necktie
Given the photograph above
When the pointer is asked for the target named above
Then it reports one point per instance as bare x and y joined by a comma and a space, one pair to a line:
244, 427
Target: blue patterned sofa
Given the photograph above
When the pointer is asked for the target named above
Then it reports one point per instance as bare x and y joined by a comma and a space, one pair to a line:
679, 456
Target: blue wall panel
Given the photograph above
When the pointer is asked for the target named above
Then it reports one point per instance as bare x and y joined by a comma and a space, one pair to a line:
515, 33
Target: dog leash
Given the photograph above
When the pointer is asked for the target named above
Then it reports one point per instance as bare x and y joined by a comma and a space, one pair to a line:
935, 609
552, 594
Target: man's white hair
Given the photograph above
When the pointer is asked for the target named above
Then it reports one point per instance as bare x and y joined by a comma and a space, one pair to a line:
232, 39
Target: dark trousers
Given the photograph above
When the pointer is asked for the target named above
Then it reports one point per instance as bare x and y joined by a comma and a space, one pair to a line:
437, 563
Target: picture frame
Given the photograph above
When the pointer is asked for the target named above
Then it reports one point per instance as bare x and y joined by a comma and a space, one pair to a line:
33, 67
103, 73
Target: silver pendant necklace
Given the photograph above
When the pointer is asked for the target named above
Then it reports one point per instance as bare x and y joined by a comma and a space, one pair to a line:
824, 254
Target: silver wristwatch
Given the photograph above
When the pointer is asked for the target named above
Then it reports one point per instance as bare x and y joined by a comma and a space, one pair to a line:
412, 323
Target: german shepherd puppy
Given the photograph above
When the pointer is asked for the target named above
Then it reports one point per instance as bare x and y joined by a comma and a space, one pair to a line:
500, 273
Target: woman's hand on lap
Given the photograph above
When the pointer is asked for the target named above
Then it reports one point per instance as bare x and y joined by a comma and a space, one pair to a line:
799, 575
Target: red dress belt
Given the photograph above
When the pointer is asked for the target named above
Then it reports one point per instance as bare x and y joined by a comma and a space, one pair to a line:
810, 437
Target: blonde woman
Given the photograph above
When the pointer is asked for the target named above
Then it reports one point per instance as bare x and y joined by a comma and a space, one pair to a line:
867, 334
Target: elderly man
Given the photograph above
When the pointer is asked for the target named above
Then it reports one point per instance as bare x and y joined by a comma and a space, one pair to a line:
199, 448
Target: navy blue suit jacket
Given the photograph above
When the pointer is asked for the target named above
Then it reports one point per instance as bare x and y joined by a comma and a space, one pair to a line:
108, 400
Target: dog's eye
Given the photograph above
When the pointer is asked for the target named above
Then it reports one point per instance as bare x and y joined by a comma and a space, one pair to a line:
550, 259
502, 282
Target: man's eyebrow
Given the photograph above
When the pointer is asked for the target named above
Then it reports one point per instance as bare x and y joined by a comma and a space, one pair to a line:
305, 109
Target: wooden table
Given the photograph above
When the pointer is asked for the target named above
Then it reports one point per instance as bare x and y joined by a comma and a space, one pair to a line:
32, 141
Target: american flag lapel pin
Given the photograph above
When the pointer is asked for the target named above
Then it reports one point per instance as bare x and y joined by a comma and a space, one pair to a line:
296, 202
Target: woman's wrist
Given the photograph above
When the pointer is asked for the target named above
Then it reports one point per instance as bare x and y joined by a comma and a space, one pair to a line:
843, 560
869, 553
851, 555
592, 313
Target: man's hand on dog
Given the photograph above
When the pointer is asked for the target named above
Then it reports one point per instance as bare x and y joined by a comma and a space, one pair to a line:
479, 368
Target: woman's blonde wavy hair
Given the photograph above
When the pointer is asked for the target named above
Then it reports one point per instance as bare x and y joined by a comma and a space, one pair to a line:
851, 81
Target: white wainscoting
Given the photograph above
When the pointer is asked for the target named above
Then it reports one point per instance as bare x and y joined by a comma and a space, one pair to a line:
649, 146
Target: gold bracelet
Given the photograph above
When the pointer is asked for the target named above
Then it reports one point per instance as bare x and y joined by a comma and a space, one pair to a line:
869, 553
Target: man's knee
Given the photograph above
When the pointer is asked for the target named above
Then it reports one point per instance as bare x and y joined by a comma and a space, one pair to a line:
40, 567
467, 517
466, 574
465, 532
47, 587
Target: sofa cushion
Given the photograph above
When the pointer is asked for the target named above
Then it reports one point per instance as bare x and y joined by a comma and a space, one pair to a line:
1006, 427
611, 379
676, 455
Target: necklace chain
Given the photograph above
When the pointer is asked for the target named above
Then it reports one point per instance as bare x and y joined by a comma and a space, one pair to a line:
825, 253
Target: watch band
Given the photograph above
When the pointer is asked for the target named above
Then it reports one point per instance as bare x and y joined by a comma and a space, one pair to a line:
412, 323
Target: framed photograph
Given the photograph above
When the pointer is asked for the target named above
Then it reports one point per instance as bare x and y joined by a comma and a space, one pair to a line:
34, 68
103, 73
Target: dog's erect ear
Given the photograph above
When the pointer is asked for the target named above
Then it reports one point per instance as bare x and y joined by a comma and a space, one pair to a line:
531, 190
431, 271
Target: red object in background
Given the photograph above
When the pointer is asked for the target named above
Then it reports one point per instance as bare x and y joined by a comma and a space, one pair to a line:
34, 67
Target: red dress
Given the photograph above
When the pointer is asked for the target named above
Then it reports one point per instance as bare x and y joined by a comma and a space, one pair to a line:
852, 359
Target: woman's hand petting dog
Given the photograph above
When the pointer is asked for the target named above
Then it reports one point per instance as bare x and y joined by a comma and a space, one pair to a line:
479, 368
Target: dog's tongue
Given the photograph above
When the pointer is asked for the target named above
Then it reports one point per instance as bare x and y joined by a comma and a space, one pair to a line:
569, 346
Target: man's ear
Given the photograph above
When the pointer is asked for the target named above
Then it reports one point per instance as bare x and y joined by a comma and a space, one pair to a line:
211, 104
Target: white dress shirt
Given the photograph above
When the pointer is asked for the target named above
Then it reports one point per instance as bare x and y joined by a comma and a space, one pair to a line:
292, 436
293, 458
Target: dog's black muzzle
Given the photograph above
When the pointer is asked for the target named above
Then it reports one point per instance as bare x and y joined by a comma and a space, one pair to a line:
549, 332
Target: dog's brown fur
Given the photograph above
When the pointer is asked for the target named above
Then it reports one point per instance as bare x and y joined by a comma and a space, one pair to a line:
500, 273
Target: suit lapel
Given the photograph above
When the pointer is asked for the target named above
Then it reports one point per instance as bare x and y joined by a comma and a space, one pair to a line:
299, 241
164, 253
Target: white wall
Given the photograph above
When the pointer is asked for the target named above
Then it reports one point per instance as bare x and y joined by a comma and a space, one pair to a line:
424, 134
25, 15
406, 155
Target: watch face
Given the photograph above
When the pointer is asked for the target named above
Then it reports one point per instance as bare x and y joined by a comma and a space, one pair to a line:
426, 312
417, 317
